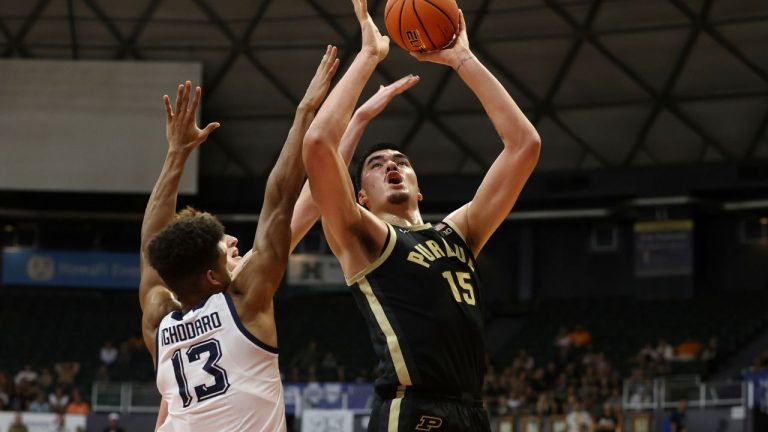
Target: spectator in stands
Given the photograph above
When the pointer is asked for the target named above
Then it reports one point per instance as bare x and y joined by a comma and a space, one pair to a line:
78, 405
114, 423
40, 405
578, 419
665, 350
647, 355
108, 353
306, 359
676, 420
58, 400
608, 420
615, 399
26, 376
18, 425
544, 405
102, 375
60, 424
121, 369
710, 351
66, 373
563, 338
581, 337
501, 406
688, 349
639, 399
45, 380
330, 370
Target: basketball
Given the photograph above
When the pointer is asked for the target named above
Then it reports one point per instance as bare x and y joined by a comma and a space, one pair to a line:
422, 25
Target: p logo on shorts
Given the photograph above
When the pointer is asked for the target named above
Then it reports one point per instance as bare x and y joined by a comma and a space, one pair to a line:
427, 423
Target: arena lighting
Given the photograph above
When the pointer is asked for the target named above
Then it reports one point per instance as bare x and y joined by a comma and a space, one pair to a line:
661, 201
745, 205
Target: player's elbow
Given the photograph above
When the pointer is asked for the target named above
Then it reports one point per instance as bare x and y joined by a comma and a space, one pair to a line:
534, 146
529, 147
316, 148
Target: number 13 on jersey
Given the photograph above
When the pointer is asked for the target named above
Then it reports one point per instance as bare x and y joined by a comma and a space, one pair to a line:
464, 281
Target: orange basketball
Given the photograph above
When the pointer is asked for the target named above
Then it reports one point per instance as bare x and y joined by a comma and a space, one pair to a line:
422, 25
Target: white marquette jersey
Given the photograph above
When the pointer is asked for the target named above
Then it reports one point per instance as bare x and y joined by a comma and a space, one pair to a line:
215, 375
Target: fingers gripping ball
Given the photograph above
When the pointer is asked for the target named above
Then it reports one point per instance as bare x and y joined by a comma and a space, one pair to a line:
422, 25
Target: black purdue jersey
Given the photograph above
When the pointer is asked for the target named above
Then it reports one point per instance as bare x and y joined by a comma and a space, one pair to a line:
421, 300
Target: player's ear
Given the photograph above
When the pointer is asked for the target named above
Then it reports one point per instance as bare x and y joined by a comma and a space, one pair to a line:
215, 278
362, 198
419, 197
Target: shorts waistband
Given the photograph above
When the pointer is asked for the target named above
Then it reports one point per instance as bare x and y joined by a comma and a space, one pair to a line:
465, 398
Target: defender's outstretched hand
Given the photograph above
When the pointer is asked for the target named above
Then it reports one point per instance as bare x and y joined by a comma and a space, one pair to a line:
180, 124
373, 42
318, 87
376, 104
456, 55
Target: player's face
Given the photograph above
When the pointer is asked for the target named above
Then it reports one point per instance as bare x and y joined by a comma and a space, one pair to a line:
232, 252
388, 177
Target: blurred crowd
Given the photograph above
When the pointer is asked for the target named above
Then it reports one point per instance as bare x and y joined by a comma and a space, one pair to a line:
63, 387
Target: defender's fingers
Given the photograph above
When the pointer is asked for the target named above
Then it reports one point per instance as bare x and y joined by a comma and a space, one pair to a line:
185, 98
179, 95
195, 101
334, 69
168, 109
210, 128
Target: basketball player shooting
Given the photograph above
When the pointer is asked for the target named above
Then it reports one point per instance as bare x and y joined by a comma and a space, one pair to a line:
207, 313
417, 285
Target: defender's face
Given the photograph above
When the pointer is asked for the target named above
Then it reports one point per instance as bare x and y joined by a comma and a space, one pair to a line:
387, 177
231, 251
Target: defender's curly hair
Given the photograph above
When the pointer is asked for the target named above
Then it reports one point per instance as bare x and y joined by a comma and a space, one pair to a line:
186, 248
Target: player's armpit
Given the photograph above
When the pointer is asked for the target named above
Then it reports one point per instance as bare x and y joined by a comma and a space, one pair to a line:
159, 302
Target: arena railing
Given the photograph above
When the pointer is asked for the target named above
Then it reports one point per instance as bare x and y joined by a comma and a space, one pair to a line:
667, 392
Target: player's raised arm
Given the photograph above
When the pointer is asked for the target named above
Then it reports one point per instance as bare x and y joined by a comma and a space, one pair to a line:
183, 137
504, 181
305, 213
259, 274
328, 178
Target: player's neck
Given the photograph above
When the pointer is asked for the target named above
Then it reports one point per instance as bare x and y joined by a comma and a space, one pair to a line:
401, 217
192, 300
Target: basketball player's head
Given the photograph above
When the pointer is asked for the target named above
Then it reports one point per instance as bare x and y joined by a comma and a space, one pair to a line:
384, 177
193, 255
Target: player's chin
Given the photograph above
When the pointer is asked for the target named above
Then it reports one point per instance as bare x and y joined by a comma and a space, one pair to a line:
398, 196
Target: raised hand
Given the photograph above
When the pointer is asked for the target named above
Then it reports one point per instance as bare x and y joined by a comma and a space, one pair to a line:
456, 55
181, 129
376, 104
321, 82
373, 42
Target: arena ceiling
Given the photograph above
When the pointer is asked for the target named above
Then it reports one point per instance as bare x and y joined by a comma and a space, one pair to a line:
608, 83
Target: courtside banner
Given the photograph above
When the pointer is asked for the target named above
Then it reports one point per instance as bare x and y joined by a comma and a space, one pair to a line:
70, 269
314, 270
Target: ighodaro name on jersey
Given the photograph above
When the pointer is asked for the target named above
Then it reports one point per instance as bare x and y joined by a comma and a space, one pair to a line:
185, 331
431, 250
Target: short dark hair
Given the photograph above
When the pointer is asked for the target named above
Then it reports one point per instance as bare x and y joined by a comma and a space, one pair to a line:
360, 162
187, 247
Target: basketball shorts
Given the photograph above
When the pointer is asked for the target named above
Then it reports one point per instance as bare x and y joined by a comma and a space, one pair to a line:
428, 414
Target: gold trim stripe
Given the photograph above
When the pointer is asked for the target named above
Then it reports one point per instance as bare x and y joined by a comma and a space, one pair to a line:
374, 265
394, 410
420, 227
392, 343
452, 224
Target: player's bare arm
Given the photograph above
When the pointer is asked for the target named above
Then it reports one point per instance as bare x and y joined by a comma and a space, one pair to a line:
504, 181
183, 137
305, 213
256, 279
354, 235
